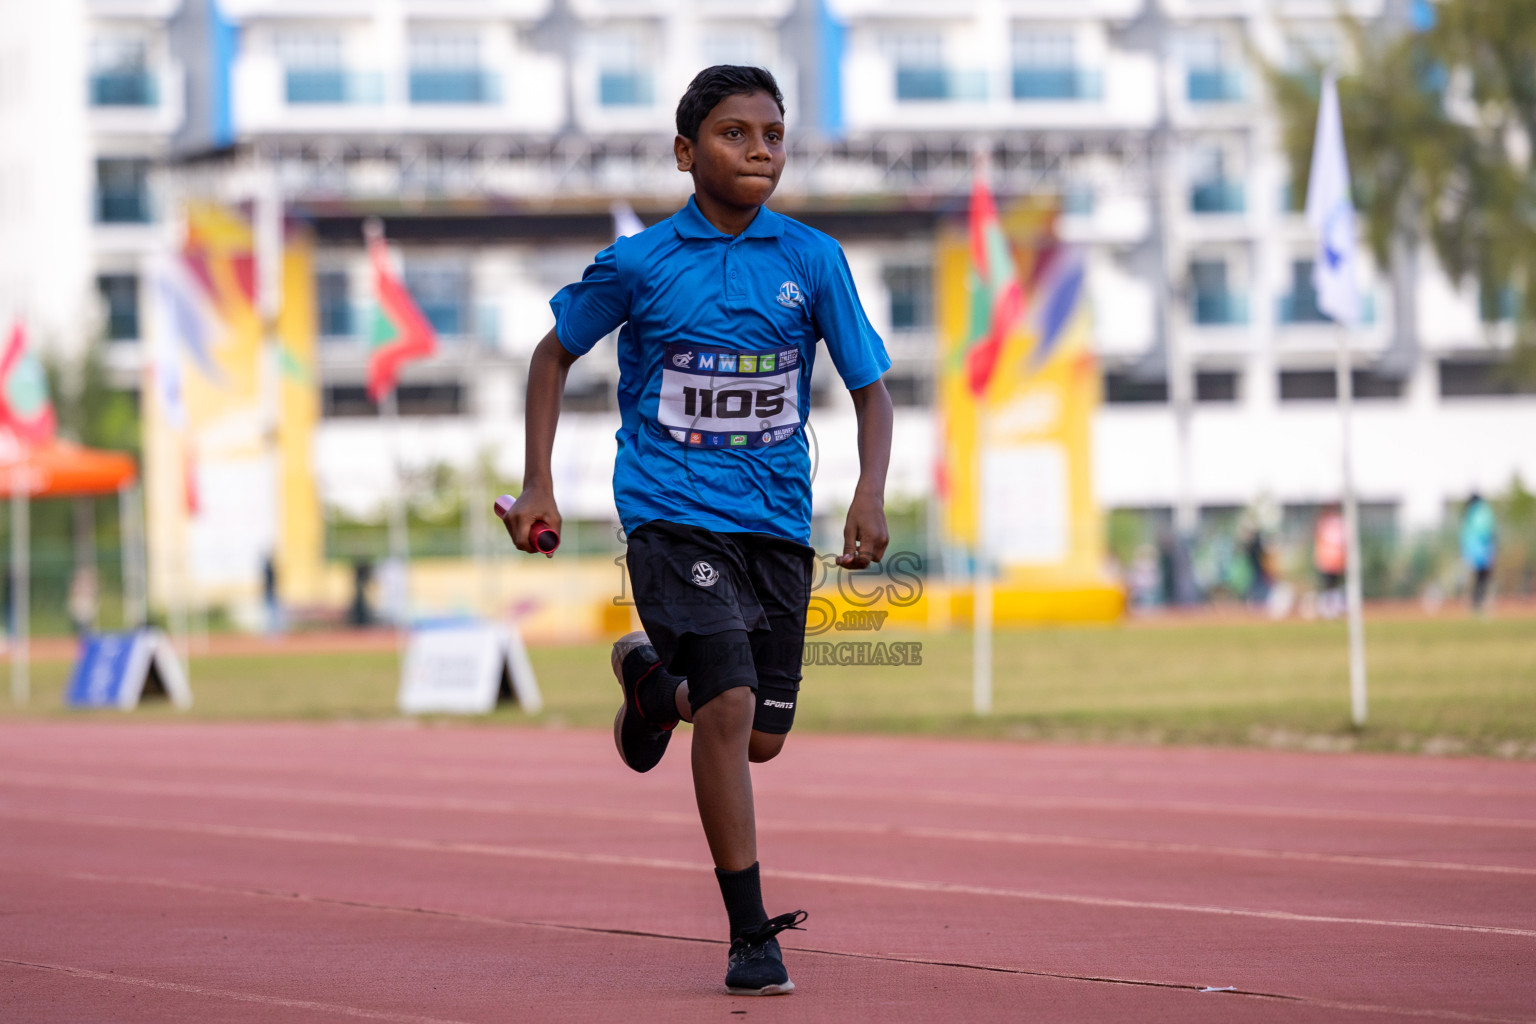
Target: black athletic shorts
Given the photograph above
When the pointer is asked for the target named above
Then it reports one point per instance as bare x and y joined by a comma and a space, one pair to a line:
725, 610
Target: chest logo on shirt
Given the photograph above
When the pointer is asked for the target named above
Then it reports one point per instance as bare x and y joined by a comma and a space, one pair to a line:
789, 295
704, 574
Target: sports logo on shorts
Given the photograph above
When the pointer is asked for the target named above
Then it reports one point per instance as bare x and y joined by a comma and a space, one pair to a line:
789, 295
683, 359
704, 574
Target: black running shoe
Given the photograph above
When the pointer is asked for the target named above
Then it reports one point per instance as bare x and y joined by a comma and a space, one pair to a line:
757, 964
640, 743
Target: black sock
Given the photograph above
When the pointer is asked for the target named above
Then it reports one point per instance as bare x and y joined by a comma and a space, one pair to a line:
743, 893
658, 687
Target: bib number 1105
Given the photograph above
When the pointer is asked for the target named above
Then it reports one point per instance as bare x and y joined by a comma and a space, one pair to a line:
736, 403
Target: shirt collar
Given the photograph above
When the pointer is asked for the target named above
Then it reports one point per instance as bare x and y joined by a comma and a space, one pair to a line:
690, 222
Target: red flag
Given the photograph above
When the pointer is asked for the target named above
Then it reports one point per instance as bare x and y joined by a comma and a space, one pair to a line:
24, 403
400, 333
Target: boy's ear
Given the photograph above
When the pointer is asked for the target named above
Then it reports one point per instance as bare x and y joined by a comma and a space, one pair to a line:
682, 148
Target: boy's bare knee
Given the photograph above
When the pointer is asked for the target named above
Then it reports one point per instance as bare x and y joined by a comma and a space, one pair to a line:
729, 712
765, 746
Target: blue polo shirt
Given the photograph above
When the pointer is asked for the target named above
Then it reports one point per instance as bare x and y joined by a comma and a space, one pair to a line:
716, 349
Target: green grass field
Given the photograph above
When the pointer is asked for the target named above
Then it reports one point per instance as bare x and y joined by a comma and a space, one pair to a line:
1447, 686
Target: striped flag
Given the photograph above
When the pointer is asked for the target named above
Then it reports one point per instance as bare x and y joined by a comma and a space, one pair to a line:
997, 295
400, 332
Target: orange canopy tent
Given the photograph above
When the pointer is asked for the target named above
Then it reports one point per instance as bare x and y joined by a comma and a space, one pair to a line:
57, 469
62, 469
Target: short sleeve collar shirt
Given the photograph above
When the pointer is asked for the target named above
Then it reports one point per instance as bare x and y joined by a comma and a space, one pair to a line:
717, 343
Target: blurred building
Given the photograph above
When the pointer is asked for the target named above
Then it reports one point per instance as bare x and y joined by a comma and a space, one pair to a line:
494, 136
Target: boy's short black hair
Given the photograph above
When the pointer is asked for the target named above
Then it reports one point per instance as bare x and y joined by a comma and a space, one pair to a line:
714, 84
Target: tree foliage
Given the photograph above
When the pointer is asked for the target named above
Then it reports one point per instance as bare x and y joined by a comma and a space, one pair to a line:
1440, 126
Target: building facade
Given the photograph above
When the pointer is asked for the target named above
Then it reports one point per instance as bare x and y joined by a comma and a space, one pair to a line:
493, 137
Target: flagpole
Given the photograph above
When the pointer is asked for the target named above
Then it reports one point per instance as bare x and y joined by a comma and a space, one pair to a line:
1331, 214
21, 683
267, 238
1352, 596
981, 612
399, 535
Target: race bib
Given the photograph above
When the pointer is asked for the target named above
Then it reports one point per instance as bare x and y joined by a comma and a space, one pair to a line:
714, 398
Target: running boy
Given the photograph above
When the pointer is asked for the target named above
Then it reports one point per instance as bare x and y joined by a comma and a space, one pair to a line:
721, 306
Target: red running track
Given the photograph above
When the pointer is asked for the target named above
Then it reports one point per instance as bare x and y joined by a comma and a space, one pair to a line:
465, 874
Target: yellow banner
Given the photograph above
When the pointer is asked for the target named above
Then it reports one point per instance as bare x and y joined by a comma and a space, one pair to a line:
229, 419
1044, 529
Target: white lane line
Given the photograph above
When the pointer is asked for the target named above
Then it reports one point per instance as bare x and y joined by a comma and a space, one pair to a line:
224, 993
1421, 1012
1114, 805
664, 864
480, 806
1025, 773
1121, 806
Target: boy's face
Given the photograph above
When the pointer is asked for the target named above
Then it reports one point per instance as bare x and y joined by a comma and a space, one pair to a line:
739, 154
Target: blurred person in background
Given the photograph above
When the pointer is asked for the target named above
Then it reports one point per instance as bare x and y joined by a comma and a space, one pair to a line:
1479, 545
1329, 555
1260, 577
81, 602
1144, 578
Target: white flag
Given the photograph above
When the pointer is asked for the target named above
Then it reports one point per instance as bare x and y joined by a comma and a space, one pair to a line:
625, 222
1331, 214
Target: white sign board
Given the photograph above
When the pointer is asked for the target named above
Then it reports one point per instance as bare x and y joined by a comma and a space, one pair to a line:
1029, 514
466, 669
117, 670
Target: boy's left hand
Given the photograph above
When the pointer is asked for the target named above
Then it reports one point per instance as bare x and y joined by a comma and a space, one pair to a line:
864, 534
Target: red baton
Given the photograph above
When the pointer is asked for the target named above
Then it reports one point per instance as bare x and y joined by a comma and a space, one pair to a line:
540, 534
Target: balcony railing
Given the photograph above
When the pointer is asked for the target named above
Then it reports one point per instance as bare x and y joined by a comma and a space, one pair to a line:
1035, 83
1221, 308
453, 85
922, 84
626, 89
1215, 86
1217, 197
124, 89
123, 208
332, 85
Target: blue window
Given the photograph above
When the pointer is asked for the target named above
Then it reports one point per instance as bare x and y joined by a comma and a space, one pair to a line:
124, 88
1215, 85
626, 89
443, 293
938, 83
333, 296
120, 294
1217, 197
1064, 83
454, 85
1214, 302
332, 85
122, 191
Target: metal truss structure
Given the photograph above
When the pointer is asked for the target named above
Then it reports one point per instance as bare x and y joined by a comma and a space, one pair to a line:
586, 173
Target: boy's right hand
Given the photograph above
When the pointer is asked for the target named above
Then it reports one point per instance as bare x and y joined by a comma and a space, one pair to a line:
535, 504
